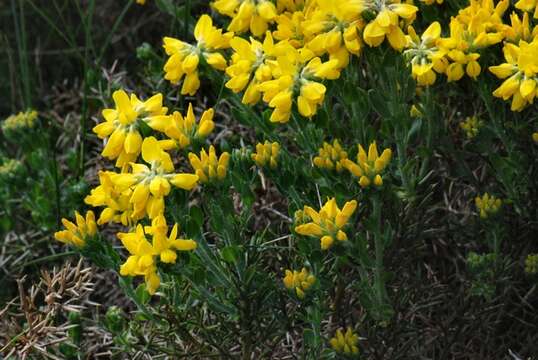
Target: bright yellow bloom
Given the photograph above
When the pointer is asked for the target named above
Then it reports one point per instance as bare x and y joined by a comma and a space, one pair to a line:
300, 282
423, 54
535, 137
184, 57
487, 205
387, 22
208, 167
266, 153
369, 167
297, 70
528, 6
165, 246
182, 130
150, 184
331, 156
345, 343
333, 28
253, 15
520, 29
471, 126
76, 234
327, 224
289, 27
141, 261
475, 27
249, 65
122, 123
520, 72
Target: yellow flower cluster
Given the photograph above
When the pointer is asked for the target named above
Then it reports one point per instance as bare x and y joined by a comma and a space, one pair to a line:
487, 205
331, 156
531, 264
327, 224
520, 72
477, 26
345, 343
146, 178
184, 58
266, 153
369, 167
76, 234
299, 281
208, 166
471, 126
21, 121
142, 258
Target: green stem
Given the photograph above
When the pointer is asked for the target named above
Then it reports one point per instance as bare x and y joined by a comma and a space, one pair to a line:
379, 250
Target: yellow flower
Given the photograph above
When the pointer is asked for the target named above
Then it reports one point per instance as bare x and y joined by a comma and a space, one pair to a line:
182, 130
535, 137
423, 54
487, 205
331, 157
116, 202
300, 282
208, 167
184, 57
471, 126
333, 27
141, 2
520, 72
165, 246
327, 224
22, 121
253, 15
345, 343
528, 6
266, 153
122, 123
76, 234
475, 27
387, 23
297, 70
520, 29
141, 261
369, 167
150, 184
249, 65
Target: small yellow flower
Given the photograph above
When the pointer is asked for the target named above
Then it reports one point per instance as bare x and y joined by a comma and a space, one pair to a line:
121, 125
300, 282
184, 58
528, 6
141, 261
535, 137
331, 157
387, 23
415, 112
150, 184
76, 234
369, 167
208, 167
253, 15
487, 205
20, 122
266, 153
531, 264
425, 58
166, 245
141, 2
471, 126
345, 343
327, 224
182, 130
